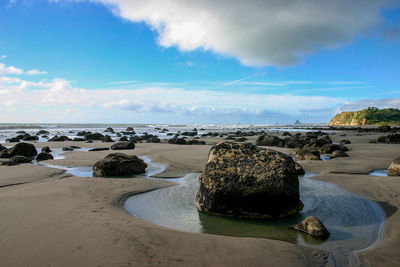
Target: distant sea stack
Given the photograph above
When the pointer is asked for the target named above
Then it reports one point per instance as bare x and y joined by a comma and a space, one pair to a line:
368, 116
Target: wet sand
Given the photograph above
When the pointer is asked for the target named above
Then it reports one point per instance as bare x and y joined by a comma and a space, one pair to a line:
49, 218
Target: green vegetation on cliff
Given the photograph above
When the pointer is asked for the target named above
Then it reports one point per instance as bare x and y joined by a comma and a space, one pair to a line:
369, 116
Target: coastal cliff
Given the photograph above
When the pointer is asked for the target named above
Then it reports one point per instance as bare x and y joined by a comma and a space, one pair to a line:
369, 116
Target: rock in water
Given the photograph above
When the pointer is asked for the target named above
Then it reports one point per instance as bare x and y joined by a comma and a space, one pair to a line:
313, 226
394, 168
118, 164
247, 181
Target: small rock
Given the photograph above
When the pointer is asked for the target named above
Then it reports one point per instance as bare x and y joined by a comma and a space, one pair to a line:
44, 156
313, 226
123, 146
394, 168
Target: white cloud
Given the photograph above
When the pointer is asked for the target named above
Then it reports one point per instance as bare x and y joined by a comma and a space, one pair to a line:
3, 57
10, 70
257, 32
36, 72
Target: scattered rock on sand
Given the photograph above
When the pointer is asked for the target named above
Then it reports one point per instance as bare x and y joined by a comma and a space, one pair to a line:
16, 160
118, 164
390, 139
123, 146
394, 168
306, 155
94, 136
108, 139
123, 139
177, 141
99, 149
42, 132
338, 154
44, 156
62, 138
244, 180
345, 142
313, 226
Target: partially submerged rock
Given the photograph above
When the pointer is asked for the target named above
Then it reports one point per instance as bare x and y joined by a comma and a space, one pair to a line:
244, 180
313, 226
118, 164
394, 168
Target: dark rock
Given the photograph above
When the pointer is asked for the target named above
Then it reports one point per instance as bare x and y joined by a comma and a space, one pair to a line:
42, 132
306, 155
13, 140
129, 129
16, 160
118, 164
123, 146
153, 139
123, 139
94, 136
82, 133
189, 133
22, 149
241, 139
107, 139
338, 154
99, 149
109, 130
67, 148
244, 180
46, 149
177, 141
299, 169
28, 137
329, 148
20, 132
270, 140
2, 148
345, 142
44, 156
313, 226
390, 139
384, 128
78, 139
394, 168
286, 134
62, 138
196, 142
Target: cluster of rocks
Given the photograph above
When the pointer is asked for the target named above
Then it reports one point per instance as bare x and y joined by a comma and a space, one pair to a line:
308, 146
176, 140
390, 139
20, 153
23, 136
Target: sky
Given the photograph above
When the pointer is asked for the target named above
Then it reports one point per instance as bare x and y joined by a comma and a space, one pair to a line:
192, 61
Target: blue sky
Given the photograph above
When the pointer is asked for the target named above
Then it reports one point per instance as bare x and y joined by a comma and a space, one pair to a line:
193, 61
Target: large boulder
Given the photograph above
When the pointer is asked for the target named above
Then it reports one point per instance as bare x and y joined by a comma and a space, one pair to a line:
22, 149
118, 164
123, 146
313, 226
394, 168
244, 180
44, 156
338, 154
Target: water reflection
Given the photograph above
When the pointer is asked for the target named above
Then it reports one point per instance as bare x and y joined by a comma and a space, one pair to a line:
354, 222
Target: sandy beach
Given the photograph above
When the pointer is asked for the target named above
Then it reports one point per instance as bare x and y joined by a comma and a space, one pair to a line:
50, 218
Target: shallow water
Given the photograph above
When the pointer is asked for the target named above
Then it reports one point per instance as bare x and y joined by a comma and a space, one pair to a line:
354, 222
382, 173
86, 171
